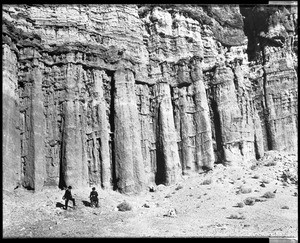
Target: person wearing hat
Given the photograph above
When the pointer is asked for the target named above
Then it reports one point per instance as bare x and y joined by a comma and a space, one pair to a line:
68, 196
94, 197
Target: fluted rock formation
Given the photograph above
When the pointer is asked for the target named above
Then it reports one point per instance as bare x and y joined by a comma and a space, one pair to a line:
123, 96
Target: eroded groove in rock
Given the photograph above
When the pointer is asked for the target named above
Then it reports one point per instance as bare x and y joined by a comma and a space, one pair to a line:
103, 129
168, 163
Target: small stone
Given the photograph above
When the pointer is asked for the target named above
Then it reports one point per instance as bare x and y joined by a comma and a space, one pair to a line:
171, 213
249, 201
237, 216
285, 207
146, 205
178, 187
269, 195
240, 204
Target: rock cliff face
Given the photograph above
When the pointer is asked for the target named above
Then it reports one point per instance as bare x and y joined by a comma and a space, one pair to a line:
123, 96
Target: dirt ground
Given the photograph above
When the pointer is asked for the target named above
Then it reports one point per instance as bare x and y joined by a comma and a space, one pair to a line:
206, 209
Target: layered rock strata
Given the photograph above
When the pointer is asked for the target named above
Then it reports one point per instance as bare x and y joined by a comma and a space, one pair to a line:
123, 96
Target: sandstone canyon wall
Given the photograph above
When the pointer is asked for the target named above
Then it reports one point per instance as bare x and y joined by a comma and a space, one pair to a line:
123, 96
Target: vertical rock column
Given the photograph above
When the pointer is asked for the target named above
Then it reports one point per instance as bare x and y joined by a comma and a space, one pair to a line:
127, 136
34, 169
167, 139
229, 113
187, 129
37, 147
11, 135
280, 88
204, 144
72, 141
103, 130
250, 132
147, 131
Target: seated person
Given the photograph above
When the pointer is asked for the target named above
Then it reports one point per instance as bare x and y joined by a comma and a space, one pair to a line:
94, 196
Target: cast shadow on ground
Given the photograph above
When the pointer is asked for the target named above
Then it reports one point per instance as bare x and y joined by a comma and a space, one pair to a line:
59, 205
86, 203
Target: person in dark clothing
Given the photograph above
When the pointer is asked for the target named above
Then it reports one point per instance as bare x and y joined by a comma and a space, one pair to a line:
68, 196
94, 197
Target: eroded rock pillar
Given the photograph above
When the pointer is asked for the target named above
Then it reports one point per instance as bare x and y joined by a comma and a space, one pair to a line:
144, 103
72, 140
204, 144
11, 134
38, 131
129, 164
33, 145
187, 129
229, 114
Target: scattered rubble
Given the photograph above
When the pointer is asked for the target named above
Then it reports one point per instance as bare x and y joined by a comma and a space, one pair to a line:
124, 206
285, 207
269, 195
237, 216
171, 213
250, 201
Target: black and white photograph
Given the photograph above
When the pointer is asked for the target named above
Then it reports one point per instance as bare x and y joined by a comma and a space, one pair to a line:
150, 120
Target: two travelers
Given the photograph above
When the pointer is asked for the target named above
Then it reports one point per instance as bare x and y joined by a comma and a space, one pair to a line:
68, 196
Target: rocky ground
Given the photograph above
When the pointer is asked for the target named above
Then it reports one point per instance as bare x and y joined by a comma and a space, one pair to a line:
203, 205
